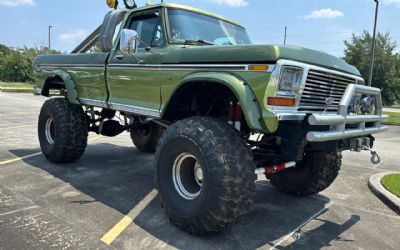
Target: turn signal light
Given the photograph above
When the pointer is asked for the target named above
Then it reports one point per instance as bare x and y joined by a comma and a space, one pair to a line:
279, 101
258, 67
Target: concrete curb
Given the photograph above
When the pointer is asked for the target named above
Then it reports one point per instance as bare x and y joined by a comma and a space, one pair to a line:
380, 191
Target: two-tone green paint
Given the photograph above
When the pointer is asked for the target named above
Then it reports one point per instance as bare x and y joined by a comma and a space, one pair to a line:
234, 81
147, 80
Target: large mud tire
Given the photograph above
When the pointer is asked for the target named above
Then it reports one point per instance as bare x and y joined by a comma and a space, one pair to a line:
228, 179
67, 130
314, 174
146, 139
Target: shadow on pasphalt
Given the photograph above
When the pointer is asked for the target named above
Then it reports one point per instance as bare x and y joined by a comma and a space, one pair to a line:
120, 177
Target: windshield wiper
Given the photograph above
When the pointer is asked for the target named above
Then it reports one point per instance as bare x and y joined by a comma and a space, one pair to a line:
200, 41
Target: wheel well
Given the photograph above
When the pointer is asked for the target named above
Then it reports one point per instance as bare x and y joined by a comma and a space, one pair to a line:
53, 83
200, 99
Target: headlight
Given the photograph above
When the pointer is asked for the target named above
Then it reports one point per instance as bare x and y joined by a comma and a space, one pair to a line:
290, 80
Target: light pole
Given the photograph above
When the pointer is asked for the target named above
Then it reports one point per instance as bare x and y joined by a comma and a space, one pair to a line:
50, 37
371, 68
284, 40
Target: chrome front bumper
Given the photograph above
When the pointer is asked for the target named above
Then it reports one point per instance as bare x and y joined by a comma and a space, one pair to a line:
365, 124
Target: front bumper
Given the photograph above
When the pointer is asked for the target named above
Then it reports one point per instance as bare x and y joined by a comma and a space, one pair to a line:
361, 125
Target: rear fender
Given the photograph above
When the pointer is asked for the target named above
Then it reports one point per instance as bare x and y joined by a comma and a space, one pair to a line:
72, 93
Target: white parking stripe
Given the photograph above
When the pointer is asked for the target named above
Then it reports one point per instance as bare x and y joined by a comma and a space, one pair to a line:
19, 210
391, 139
388, 158
284, 238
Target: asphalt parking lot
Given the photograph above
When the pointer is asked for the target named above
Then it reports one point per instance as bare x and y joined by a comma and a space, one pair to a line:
107, 199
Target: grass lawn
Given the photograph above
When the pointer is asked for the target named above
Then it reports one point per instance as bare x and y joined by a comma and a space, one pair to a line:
16, 85
392, 183
394, 106
394, 118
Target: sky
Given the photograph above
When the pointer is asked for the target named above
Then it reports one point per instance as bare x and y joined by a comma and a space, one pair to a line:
317, 24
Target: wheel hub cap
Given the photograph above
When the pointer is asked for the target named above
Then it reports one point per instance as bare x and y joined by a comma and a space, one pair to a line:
49, 130
187, 176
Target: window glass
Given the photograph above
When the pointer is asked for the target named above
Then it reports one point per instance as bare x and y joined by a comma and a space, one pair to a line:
149, 29
186, 25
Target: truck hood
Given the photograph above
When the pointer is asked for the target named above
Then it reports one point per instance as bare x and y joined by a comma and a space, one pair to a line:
263, 54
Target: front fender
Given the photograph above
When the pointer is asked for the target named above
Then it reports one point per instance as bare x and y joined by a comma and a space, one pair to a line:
239, 87
69, 84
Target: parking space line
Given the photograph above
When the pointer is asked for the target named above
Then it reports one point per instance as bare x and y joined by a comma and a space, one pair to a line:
36, 154
370, 211
391, 139
20, 158
19, 210
284, 238
359, 166
388, 158
15, 127
128, 219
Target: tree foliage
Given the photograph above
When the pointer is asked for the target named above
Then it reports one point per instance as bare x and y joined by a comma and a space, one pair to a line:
386, 75
16, 65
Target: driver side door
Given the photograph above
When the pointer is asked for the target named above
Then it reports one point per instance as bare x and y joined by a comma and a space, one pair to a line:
134, 80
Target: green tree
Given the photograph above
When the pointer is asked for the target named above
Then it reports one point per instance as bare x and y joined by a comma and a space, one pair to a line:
17, 67
5, 50
387, 63
17, 64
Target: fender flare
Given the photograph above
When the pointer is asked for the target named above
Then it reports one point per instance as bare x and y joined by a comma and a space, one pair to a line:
238, 86
69, 84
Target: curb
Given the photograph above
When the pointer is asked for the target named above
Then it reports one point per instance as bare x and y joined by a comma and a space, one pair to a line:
391, 200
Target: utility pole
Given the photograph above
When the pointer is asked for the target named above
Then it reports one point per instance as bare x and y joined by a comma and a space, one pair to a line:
284, 41
50, 38
371, 68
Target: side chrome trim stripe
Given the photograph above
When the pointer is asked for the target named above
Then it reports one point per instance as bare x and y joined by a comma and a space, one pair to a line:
224, 67
91, 102
71, 65
121, 107
136, 110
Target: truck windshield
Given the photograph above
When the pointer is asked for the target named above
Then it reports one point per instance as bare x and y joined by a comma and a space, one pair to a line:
193, 28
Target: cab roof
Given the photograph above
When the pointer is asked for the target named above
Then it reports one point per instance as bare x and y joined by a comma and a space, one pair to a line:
188, 8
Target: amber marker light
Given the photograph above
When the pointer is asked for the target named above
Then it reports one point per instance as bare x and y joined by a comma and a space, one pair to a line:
258, 67
279, 101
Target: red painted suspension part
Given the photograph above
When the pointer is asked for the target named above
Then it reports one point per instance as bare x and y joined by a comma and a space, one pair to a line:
275, 169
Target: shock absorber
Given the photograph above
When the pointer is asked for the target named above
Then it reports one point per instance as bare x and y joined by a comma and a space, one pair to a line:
235, 115
276, 168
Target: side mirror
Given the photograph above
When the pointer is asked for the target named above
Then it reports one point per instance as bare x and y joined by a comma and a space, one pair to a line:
128, 41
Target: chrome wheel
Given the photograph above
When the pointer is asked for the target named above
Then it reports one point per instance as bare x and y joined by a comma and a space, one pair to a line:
50, 130
187, 176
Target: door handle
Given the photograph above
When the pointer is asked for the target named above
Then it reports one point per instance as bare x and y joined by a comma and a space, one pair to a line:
119, 57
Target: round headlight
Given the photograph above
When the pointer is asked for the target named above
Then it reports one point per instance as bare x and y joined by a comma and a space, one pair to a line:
368, 105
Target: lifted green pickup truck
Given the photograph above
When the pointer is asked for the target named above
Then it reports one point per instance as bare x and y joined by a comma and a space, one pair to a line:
188, 85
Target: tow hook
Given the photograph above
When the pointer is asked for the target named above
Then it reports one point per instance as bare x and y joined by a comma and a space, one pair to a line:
274, 169
364, 143
375, 158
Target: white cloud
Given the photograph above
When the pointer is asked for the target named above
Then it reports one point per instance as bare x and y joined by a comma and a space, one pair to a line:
230, 3
394, 2
324, 14
15, 3
72, 37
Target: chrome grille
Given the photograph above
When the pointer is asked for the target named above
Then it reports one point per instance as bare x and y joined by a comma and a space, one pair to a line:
321, 85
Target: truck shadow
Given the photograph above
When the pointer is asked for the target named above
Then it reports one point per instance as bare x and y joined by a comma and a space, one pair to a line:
120, 177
